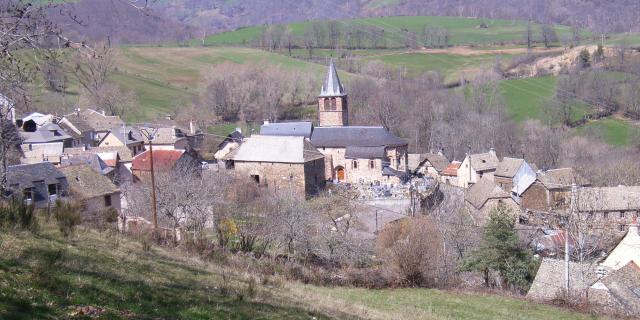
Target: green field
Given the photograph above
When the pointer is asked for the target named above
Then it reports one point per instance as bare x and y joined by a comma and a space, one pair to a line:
617, 132
450, 66
463, 31
46, 276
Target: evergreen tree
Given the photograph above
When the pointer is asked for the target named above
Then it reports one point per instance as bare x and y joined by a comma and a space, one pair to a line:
500, 252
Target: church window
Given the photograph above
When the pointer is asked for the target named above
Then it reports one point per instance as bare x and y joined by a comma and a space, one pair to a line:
355, 164
333, 104
372, 164
326, 103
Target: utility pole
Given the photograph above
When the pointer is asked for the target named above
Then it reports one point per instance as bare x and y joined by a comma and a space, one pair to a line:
150, 134
572, 211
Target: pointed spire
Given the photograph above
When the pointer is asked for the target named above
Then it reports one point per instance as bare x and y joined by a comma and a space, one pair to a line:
332, 86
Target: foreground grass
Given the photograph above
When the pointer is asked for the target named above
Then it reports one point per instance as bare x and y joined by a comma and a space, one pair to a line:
436, 304
48, 277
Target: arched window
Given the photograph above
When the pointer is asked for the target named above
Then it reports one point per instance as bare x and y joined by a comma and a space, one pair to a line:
326, 103
333, 104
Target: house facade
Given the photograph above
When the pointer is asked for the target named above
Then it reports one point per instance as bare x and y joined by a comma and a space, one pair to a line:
551, 190
39, 184
477, 166
484, 196
281, 163
514, 176
95, 192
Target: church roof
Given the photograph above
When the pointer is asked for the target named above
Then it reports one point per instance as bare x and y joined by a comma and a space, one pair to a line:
332, 86
296, 129
354, 136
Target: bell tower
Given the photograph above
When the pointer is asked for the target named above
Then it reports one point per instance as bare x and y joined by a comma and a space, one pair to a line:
333, 110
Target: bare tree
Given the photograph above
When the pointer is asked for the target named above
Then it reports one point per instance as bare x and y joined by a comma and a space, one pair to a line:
549, 35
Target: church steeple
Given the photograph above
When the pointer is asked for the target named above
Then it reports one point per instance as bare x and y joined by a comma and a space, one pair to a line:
332, 103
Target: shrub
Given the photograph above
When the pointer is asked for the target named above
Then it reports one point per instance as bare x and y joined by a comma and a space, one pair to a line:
67, 216
16, 214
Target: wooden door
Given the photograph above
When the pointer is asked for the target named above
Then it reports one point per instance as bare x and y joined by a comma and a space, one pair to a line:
340, 174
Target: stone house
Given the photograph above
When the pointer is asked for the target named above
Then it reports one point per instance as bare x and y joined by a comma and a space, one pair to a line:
431, 164
548, 283
514, 176
43, 144
89, 126
125, 136
619, 291
39, 184
484, 196
551, 190
450, 174
476, 166
280, 163
225, 149
95, 192
614, 206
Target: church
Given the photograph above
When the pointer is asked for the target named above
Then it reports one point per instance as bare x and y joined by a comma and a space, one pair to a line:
352, 154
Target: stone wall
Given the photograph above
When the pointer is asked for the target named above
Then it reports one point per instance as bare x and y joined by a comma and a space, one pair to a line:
333, 117
314, 176
277, 176
362, 172
535, 198
505, 183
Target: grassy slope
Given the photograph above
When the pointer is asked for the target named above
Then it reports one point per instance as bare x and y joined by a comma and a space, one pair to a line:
165, 78
463, 31
47, 276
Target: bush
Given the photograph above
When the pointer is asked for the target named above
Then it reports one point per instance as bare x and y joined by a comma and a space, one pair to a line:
16, 214
67, 216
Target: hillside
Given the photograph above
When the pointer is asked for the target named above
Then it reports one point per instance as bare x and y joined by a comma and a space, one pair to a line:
109, 276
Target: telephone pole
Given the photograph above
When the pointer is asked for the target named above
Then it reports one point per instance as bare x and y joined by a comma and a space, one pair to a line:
150, 134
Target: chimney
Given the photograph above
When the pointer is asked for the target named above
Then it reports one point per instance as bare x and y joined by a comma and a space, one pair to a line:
492, 151
441, 152
266, 122
239, 130
104, 113
192, 127
78, 112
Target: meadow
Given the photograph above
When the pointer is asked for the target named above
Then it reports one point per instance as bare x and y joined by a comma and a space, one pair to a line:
106, 275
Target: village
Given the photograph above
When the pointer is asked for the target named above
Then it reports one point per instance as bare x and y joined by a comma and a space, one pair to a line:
586, 237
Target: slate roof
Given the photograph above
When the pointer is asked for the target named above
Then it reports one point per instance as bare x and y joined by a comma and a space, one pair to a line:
452, 169
438, 161
364, 153
25, 175
296, 129
162, 159
89, 159
279, 149
166, 135
88, 119
624, 285
560, 178
48, 133
123, 152
626, 251
132, 135
86, 183
479, 193
508, 167
484, 161
620, 198
354, 136
332, 87
548, 283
